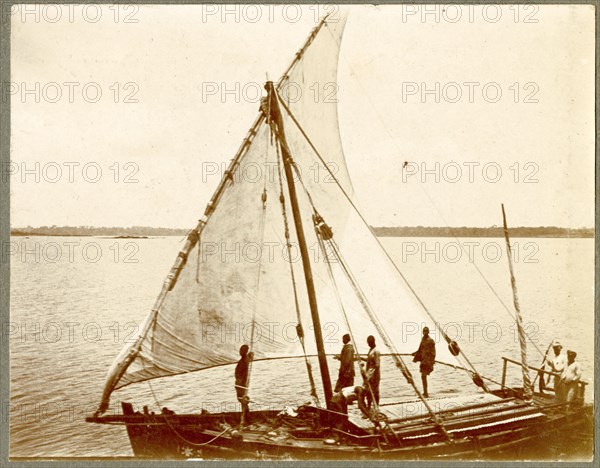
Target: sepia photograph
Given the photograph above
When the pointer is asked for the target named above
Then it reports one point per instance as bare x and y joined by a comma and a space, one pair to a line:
298, 232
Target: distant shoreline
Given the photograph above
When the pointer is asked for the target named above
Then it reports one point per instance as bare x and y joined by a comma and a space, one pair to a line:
143, 232
542, 231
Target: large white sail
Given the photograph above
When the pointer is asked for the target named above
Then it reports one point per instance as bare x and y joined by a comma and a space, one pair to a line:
390, 298
310, 91
233, 283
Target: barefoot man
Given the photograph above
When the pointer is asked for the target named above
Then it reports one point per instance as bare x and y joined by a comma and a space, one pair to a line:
241, 381
346, 358
426, 355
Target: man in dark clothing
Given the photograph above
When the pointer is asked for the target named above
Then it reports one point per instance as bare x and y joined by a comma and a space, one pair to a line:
346, 358
426, 355
241, 380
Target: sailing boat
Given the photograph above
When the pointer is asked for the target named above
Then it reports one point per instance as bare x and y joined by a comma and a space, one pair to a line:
352, 282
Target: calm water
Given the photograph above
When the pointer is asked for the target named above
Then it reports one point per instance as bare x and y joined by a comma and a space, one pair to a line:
76, 301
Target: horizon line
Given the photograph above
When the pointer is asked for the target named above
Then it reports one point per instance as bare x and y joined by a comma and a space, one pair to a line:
54, 226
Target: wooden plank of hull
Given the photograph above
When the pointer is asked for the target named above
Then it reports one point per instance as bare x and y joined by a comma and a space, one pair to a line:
415, 409
182, 439
511, 442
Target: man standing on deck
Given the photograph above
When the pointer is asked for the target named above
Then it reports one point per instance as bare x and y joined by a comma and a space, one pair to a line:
373, 372
346, 358
241, 381
558, 362
569, 380
426, 355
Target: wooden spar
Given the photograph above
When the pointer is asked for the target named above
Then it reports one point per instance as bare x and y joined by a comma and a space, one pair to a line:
310, 287
542, 366
527, 387
538, 369
119, 369
302, 50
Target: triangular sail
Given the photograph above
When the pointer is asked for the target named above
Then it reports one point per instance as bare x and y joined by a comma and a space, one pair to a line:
210, 303
310, 91
232, 282
386, 291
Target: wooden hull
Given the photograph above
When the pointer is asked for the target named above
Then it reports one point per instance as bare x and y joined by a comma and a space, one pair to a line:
539, 431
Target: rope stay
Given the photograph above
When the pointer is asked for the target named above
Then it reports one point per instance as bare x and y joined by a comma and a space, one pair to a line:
376, 415
331, 174
452, 345
380, 329
299, 329
263, 213
488, 284
373, 317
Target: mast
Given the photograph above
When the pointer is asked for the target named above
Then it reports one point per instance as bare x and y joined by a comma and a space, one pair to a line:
527, 387
273, 105
131, 352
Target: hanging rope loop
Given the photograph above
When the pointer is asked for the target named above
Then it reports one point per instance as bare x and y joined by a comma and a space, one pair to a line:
299, 329
261, 229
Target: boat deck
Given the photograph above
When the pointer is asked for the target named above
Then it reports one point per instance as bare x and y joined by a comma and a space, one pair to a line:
475, 424
463, 406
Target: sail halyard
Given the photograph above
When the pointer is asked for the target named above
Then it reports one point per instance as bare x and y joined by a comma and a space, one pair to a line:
308, 277
288, 245
325, 236
146, 340
309, 148
163, 349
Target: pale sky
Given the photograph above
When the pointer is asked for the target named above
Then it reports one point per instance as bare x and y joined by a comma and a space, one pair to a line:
539, 134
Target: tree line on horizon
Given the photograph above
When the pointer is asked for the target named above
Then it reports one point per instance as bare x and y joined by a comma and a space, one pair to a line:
131, 231
384, 231
494, 231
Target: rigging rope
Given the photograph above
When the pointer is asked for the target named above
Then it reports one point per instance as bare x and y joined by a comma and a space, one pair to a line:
542, 366
506, 308
347, 322
379, 327
376, 415
263, 199
374, 319
299, 329
453, 346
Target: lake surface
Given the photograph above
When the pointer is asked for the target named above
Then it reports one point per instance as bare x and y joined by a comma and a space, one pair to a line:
76, 301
